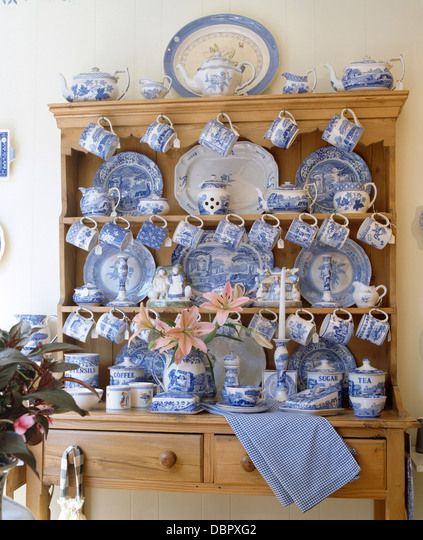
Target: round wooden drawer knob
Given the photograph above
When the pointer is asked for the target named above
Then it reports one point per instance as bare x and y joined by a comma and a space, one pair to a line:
247, 464
168, 459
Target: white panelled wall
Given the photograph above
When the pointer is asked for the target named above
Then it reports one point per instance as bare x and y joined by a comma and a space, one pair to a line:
44, 37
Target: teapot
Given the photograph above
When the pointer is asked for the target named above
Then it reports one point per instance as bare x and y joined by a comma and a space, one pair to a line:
213, 197
367, 296
94, 86
286, 198
367, 73
98, 201
218, 76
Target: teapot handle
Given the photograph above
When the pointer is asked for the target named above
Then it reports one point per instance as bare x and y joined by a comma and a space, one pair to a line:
250, 80
312, 72
116, 204
128, 82
399, 85
384, 293
372, 185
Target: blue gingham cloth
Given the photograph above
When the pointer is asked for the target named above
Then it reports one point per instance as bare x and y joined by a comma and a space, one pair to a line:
301, 457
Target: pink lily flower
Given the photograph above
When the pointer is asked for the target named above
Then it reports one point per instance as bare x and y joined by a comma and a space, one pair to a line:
142, 322
23, 423
230, 301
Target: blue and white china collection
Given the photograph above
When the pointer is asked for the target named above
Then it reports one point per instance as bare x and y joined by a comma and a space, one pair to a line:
264, 326
301, 327
332, 233
118, 398
336, 328
98, 201
349, 199
95, 86
151, 89
115, 235
376, 231
83, 236
366, 380
161, 135
343, 133
153, 232
231, 363
374, 327
283, 131
176, 403
88, 369
302, 233
214, 198
99, 141
230, 231
287, 198
218, 76
125, 373
314, 399
265, 232
153, 205
366, 296
217, 137
367, 74
299, 84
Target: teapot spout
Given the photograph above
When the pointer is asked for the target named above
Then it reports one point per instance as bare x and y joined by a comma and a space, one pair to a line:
335, 82
191, 83
262, 205
67, 94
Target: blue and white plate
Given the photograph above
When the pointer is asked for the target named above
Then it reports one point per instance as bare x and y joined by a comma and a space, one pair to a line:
210, 265
327, 167
246, 168
101, 270
262, 406
349, 264
306, 358
249, 40
135, 175
141, 356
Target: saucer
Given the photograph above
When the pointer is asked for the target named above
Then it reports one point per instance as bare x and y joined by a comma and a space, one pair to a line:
262, 406
315, 412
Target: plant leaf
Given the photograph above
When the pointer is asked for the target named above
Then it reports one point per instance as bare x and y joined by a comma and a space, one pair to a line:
54, 347
13, 444
12, 356
62, 401
61, 367
6, 375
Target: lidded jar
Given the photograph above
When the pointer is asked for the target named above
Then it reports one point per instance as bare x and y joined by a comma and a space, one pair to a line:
125, 373
326, 376
214, 197
366, 380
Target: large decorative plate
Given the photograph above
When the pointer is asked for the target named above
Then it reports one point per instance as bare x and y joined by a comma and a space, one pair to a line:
306, 358
210, 265
327, 167
248, 167
349, 264
102, 271
249, 39
135, 175
253, 358
141, 356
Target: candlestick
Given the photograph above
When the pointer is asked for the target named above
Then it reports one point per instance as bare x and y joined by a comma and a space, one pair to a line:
282, 313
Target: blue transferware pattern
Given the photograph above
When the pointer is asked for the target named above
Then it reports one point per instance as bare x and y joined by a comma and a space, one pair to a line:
248, 167
218, 138
135, 175
88, 294
231, 364
368, 406
78, 327
34, 320
327, 168
271, 383
159, 136
298, 84
263, 235
171, 402
332, 234
214, 199
372, 329
342, 133
242, 396
374, 233
326, 376
113, 235
102, 271
301, 233
349, 264
94, 86
336, 330
35, 341
187, 235
5, 153
88, 370
99, 141
282, 132
354, 200
143, 357
152, 235
189, 375
314, 399
296, 330
306, 358
210, 265
125, 373
284, 198
81, 236
153, 205
229, 234
366, 380
253, 41
263, 326
97, 201
112, 327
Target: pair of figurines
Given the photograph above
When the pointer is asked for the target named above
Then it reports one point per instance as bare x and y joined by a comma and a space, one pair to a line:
170, 288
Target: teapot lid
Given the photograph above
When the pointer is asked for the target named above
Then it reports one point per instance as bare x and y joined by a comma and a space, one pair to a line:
217, 60
95, 73
368, 60
288, 185
324, 367
367, 368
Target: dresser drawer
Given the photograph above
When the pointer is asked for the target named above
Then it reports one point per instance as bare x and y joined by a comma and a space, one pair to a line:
232, 465
129, 456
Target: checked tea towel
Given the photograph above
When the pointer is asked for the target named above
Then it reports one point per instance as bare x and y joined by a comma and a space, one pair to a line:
301, 457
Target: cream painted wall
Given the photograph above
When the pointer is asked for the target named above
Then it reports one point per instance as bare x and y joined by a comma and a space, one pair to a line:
45, 37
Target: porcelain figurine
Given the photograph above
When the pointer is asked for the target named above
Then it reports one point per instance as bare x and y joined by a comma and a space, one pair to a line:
367, 73
153, 205
98, 201
213, 197
286, 198
366, 380
218, 76
170, 288
95, 86
299, 84
88, 295
268, 291
367, 295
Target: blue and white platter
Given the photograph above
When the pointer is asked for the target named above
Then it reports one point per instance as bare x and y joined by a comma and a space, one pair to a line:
135, 175
249, 40
210, 265
306, 358
246, 168
101, 270
141, 356
327, 167
262, 406
349, 264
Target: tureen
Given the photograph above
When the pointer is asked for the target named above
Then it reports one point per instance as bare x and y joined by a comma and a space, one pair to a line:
94, 86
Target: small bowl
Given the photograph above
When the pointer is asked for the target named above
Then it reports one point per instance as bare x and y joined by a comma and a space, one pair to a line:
243, 396
84, 398
368, 406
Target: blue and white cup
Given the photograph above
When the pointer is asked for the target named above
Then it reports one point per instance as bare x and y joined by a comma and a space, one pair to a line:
99, 141
265, 232
87, 371
302, 233
153, 235
243, 396
118, 398
332, 233
115, 235
283, 131
78, 326
376, 231
113, 325
300, 327
217, 137
81, 235
374, 327
161, 135
343, 133
264, 326
187, 234
230, 231
142, 394
337, 327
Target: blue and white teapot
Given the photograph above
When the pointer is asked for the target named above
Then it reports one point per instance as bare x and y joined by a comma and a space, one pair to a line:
94, 86
287, 198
